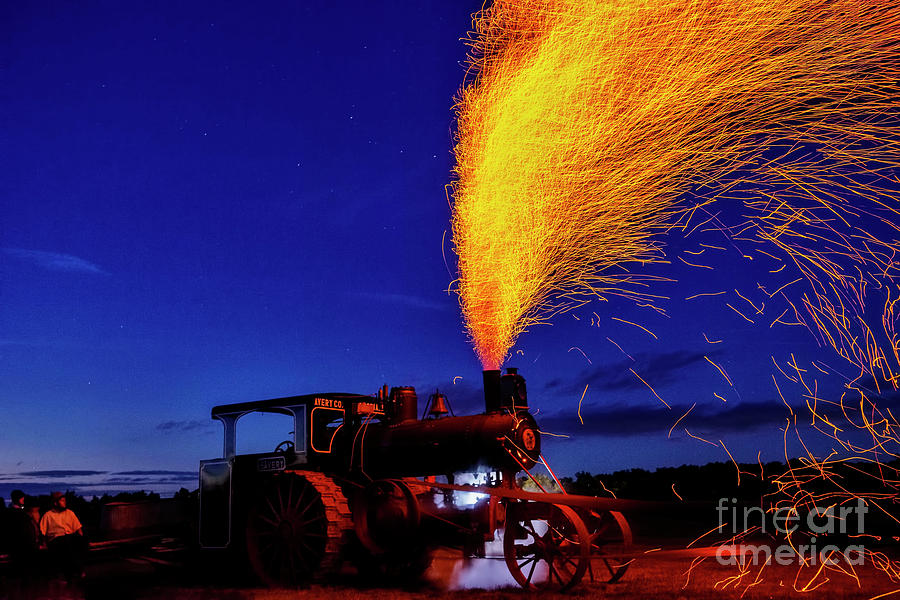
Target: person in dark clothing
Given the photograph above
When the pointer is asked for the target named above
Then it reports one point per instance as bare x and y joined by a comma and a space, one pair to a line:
22, 530
22, 536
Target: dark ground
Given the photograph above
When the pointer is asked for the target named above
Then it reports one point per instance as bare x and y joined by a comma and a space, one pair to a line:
167, 572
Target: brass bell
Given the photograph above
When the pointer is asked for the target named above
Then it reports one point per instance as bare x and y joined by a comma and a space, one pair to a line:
438, 407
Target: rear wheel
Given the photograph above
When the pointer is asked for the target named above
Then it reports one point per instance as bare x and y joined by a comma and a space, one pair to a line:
296, 528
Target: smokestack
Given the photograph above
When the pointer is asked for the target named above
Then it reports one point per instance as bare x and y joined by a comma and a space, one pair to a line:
405, 404
491, 390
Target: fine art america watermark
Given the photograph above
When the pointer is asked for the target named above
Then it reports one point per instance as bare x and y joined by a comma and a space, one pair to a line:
818, 523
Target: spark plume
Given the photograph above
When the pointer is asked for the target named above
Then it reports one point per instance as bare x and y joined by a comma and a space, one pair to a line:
588, 129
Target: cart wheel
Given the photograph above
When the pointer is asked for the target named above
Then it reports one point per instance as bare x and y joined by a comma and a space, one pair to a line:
611, 539
547, 547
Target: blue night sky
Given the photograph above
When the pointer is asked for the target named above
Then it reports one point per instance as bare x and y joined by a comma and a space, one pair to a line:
212, 202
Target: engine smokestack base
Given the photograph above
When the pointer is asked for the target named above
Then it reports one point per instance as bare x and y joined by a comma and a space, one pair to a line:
492, 392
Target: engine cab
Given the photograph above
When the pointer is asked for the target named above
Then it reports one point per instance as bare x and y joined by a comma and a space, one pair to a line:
318, 420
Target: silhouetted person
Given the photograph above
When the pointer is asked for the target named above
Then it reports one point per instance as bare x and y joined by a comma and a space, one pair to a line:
22, 535
65, 540
23, 531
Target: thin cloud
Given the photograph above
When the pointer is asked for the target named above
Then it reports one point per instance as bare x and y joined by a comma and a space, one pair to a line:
59, 473
150, 477
626, 421
405, 299
92, 483
157, 472
657, 369
56, 261
187, 425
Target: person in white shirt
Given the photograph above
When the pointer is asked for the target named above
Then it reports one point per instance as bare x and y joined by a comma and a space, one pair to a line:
63, 534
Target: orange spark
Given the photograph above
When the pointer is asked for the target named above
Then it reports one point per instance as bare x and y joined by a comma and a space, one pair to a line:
582, 124
582, 353
579, 404
721, 370
698, 437
738, 468
709, 341
611, 341
680, 419
748, 301
650, 387
740, 313
705, 294
636, 325
694, 265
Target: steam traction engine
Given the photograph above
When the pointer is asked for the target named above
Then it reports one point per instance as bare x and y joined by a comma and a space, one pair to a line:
365, 479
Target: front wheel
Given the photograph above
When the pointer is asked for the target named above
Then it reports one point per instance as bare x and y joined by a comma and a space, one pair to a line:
546, 547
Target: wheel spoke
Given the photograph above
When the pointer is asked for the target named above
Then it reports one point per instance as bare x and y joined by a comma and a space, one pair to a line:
531, 572
528, 560
271, 522
290, 492
271, 507
280, 494
315, 534
553, 572
609, 567
308, 506
300, 498
528, 526
312, 520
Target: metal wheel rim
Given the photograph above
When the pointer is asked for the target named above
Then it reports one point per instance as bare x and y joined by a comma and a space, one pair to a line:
564, 548
609, 529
